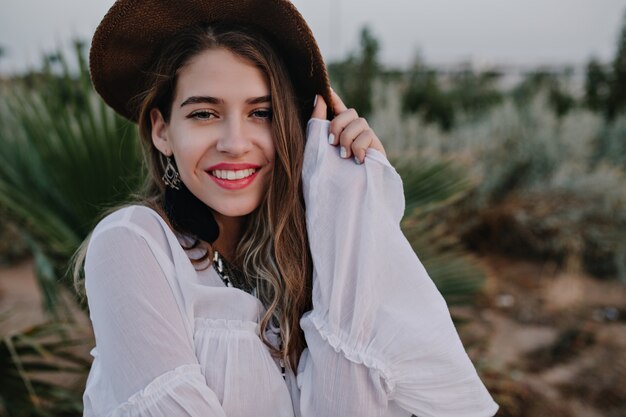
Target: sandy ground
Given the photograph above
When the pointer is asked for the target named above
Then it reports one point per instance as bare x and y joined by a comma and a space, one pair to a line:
549, 342
20, 299
546, 342
21, 308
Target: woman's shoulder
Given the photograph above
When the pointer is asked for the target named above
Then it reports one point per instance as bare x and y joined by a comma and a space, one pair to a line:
130, 216
136, 219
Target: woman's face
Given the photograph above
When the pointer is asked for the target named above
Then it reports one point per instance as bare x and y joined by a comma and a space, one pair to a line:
220, 132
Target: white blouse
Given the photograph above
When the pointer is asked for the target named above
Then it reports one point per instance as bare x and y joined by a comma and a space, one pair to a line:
173, 341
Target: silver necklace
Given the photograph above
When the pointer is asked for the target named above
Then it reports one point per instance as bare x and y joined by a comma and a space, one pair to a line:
234, 278
231, 276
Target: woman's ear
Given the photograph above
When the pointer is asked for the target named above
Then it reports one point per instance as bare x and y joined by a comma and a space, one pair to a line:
159, 132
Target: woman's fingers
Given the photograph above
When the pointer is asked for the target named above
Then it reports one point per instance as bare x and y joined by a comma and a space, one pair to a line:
367, 139
339, 123
360, 145
351, 132
336, 103
348, 135
319, 108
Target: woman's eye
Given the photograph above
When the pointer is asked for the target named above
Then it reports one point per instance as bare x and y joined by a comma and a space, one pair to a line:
262, 114
201, 115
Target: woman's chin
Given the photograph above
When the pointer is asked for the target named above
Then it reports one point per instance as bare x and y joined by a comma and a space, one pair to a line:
227, 205
237, 211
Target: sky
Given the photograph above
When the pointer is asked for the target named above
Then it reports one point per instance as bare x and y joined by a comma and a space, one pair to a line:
485, 32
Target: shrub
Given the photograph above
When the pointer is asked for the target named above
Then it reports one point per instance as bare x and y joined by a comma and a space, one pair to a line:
545, 188
65, 156
610, 144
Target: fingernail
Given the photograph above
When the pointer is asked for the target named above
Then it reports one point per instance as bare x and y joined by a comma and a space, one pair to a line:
315, 100
357, 160
343, 153
331, 139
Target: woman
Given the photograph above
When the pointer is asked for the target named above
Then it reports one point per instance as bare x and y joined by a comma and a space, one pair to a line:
218, 294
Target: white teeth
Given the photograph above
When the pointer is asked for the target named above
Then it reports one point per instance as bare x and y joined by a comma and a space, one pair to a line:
233, 175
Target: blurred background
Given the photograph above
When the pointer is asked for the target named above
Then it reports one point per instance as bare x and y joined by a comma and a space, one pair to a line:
506, 120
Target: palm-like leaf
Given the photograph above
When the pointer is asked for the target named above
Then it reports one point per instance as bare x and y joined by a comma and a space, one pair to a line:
65, 156
429, 186
32, 362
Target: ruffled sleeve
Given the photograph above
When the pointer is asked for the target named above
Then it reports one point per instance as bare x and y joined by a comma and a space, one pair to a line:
144, 360
374, 305
179, 392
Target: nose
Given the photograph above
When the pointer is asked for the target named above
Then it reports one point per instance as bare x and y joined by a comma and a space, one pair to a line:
233, 139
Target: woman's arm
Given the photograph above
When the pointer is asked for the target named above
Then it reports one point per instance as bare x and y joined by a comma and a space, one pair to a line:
144, 364
373, 302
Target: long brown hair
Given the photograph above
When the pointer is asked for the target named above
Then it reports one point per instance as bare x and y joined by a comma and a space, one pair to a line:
273, 250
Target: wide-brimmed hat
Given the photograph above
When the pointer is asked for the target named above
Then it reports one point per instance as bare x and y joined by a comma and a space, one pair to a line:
129, 37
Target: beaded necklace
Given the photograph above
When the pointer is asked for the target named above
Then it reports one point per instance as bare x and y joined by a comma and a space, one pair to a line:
233, 277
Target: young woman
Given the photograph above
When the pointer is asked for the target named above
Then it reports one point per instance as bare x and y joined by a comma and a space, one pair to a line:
263, 272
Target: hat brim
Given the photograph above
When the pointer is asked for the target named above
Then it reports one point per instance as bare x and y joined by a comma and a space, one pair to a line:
132, 32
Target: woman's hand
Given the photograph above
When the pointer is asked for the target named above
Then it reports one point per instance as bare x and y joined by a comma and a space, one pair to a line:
347, 129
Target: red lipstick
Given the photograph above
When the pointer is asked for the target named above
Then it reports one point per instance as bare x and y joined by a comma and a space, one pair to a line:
232, 166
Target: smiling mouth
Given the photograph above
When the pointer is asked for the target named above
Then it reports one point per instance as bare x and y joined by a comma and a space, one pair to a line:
234, 179
233, 175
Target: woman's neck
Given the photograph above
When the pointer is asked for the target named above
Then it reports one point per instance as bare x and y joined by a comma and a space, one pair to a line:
231, 231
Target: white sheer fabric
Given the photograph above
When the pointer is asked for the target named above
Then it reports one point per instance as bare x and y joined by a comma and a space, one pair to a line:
173, 341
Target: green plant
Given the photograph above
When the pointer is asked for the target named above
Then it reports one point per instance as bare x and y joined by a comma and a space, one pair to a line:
37, 364
65, 157
549, 83
546, 187
466, 94
429, 187
425, 97
610, 144
475, 93
354, 77
596, 86
12, 245
616, 101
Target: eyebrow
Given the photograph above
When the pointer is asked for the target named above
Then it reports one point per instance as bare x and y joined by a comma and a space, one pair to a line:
215, 100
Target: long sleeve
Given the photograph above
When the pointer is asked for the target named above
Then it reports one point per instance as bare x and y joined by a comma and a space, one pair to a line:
147, 365
374, 306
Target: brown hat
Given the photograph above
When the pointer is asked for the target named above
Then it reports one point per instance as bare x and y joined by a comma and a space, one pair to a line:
127, 39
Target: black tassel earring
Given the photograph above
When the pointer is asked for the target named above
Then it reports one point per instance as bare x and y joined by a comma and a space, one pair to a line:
184, 210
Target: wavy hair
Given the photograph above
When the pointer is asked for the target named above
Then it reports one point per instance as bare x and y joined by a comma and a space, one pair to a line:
273, 251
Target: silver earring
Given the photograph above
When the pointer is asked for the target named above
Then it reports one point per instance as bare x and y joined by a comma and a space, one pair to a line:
170, 176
